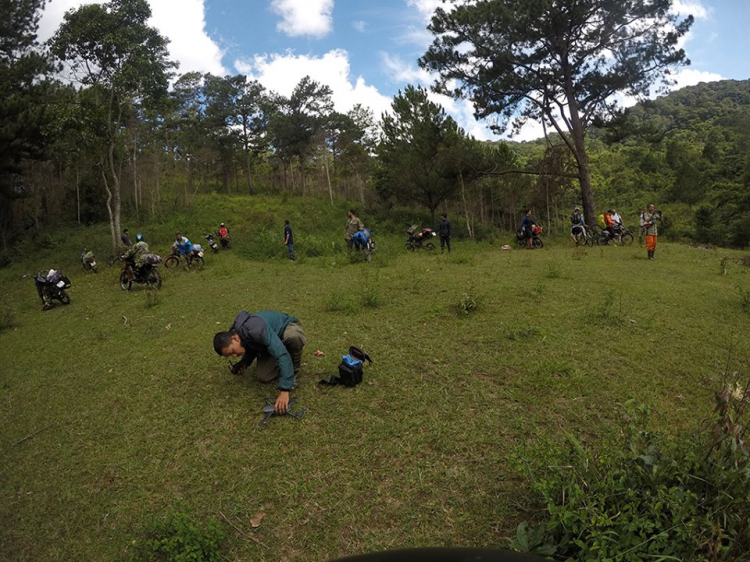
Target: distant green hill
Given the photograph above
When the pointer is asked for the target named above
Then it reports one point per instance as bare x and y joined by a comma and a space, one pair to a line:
688, 151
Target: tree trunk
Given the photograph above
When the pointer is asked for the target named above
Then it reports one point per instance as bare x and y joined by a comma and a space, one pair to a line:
248, 163
112, 230
466, 207
328, 177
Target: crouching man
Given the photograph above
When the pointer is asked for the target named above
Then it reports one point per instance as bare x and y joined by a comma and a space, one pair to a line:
274, 339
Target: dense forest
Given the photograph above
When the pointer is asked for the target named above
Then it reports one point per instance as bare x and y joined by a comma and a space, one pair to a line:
124, 135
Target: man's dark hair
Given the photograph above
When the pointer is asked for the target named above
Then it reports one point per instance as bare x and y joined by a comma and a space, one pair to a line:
286, 222
352, 211
526, 212
222, 340
444, 215
126, 230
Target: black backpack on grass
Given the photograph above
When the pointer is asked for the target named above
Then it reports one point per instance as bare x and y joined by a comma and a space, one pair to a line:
350, 368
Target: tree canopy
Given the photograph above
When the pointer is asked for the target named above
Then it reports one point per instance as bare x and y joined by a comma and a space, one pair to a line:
557, 61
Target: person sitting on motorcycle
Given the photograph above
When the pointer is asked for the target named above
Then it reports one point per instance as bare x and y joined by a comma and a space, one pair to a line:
578, 228
527, 226
612, 226
182, 244
137, 254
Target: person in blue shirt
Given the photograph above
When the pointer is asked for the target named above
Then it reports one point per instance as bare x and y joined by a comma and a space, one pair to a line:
182, 244
289, 240
273, 338
527, 223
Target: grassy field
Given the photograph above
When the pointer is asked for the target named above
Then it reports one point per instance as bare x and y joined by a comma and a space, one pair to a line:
116, 408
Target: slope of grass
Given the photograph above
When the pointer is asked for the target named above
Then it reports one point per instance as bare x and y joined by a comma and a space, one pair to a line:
136, 414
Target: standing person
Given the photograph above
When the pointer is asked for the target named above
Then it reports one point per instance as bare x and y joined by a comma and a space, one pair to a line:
289, 240
125, 238
527, 225
445, 232
353, 224
641, 229
224, 235
648, 222
275, 339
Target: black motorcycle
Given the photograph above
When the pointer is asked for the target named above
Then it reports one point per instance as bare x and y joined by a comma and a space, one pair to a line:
147, 274
212, 243
52, 285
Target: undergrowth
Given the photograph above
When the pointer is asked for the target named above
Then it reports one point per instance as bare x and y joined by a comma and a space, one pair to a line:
647, 496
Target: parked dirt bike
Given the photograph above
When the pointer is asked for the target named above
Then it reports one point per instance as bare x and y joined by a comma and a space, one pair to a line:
51, 285
88, 261
212, 243
536, 241
192, 259
417, 240
147, 275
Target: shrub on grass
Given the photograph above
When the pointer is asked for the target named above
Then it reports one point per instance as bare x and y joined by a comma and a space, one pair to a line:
645, 496
177, 538
371, 297
468, 302
339, 302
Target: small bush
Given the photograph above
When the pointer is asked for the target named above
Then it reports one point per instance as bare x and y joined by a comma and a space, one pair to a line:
649, 497
371, 297
468, 302
339, 302
610, 309
554, 271
176, 538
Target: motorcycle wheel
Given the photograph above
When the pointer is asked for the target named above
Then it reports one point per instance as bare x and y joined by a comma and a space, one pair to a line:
410, 246
154, 279
626, 239
537, 243
64, 297
196, 263
172, 261
429, 246
125, 281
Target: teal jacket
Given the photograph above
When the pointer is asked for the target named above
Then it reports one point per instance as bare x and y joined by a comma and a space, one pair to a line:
260, 334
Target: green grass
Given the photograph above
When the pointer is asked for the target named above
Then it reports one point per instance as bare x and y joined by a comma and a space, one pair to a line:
136, 414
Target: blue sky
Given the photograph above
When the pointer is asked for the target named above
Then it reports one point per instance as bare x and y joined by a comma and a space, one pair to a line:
366, 50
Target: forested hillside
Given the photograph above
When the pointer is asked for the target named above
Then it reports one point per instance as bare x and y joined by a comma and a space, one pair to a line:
687, 151
129, 138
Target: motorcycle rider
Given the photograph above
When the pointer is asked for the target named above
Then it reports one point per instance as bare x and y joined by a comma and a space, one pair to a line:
137, 254
182, 244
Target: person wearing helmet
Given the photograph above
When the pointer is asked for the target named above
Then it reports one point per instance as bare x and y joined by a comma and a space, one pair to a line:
578, 226
224, 235
137, 252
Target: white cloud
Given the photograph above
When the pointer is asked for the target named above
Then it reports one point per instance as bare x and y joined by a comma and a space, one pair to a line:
691, 77
304, 17
426, 7
282, 72
181, 21
405, 72
690, 7
359, 26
